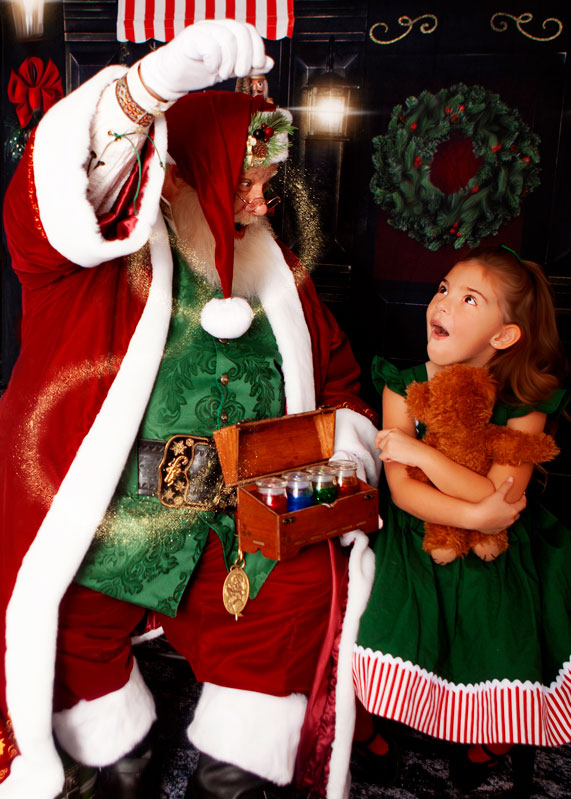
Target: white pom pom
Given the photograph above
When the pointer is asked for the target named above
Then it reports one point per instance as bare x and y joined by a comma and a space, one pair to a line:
226, 318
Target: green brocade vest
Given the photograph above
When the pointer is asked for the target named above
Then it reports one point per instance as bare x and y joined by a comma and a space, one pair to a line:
144, 552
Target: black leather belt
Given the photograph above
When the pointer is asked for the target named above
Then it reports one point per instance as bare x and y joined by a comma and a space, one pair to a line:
184, 472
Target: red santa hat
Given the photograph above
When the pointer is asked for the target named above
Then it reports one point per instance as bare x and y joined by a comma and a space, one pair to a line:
212, 137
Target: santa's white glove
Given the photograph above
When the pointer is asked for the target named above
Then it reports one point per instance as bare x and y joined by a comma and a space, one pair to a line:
202, 55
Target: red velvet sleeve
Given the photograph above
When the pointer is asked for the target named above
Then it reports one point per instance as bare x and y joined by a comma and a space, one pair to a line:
34, 260
337, 373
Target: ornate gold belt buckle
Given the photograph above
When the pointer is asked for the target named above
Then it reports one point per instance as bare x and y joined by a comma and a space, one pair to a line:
190, 475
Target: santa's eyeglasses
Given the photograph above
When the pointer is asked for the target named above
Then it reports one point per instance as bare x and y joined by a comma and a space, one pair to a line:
251, 205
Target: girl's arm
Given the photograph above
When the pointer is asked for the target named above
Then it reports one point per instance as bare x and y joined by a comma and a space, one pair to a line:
533, 422
450, 477
488, 512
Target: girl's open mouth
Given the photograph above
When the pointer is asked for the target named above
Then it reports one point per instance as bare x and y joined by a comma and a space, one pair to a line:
439, 331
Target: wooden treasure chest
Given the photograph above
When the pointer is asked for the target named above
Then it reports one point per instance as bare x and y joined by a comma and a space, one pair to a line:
249, 451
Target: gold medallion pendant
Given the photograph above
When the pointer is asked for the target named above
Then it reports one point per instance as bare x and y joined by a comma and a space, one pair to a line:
236, 588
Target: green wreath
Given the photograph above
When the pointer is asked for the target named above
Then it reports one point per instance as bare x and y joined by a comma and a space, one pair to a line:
502, 166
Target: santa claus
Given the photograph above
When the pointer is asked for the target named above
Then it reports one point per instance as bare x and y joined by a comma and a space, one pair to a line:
157, 301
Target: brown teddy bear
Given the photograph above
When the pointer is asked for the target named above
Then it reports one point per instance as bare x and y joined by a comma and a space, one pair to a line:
456, 406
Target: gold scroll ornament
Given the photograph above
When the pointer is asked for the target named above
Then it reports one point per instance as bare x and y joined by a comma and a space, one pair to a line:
501, 25
408, 23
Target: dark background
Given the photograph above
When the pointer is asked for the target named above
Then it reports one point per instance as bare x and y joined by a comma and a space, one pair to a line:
376, 280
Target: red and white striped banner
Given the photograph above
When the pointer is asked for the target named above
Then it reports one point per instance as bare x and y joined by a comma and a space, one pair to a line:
489, 712
139, 20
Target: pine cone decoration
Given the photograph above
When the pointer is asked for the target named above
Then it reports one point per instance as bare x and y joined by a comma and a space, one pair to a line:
260, 150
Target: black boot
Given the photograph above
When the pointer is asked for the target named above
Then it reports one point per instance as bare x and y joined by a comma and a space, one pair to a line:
135, 776
214, 779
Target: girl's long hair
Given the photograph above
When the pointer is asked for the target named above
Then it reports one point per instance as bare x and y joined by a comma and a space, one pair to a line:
532, 368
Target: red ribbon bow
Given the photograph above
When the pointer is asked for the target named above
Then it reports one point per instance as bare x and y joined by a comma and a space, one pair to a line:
34, 87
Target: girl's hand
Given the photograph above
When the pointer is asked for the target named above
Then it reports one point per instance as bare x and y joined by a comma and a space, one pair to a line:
493, 514
395, 445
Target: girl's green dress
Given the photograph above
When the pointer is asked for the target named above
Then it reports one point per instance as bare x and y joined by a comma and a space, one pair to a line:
472, 652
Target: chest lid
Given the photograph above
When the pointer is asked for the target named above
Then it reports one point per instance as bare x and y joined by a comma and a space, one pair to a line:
250, 450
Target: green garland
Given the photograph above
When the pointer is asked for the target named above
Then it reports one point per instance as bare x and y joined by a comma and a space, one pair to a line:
403, 157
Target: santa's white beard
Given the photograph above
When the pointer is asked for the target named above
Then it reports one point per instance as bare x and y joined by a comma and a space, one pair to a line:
196, 243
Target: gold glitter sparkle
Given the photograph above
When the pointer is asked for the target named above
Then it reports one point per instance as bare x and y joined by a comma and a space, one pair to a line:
139, 272
32, 190
144, 520
31, 470
302, 197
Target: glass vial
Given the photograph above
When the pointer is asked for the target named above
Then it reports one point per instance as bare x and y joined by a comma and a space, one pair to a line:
272, 491
323, 481
299, 490
345, 476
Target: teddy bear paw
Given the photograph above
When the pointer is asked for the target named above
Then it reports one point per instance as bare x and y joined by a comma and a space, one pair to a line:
489, 547
443, 555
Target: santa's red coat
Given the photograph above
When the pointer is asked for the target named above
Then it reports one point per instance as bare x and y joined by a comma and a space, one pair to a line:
95, 319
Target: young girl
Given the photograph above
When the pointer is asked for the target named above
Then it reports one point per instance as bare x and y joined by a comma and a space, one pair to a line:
472, 652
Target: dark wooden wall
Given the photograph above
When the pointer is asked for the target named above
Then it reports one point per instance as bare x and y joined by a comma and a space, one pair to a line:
376, 280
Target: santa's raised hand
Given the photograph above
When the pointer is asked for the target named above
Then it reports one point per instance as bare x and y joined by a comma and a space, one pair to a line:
202, 55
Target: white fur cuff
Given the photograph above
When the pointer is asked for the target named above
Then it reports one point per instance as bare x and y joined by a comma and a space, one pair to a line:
40, 776
100, 731
256, 732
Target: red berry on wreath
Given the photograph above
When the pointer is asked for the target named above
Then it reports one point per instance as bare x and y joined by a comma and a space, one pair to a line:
413, 126
475, 189
497, 148
461, 108
447, 110
417, 161
268, 132
527, 159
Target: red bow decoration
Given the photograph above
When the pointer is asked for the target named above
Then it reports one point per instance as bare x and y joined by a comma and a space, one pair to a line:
34, 88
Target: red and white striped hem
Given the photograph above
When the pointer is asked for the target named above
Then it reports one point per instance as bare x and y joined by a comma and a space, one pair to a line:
495, 711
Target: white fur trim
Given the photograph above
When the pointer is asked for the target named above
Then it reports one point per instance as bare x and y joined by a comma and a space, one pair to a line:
40, 777
256, 732
100, 731
355, 437
69, 525
276, 289
61, 152
148, 636
226, 318
361, 576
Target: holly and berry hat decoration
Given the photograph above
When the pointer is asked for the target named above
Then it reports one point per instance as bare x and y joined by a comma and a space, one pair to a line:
454, 166
268, 138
